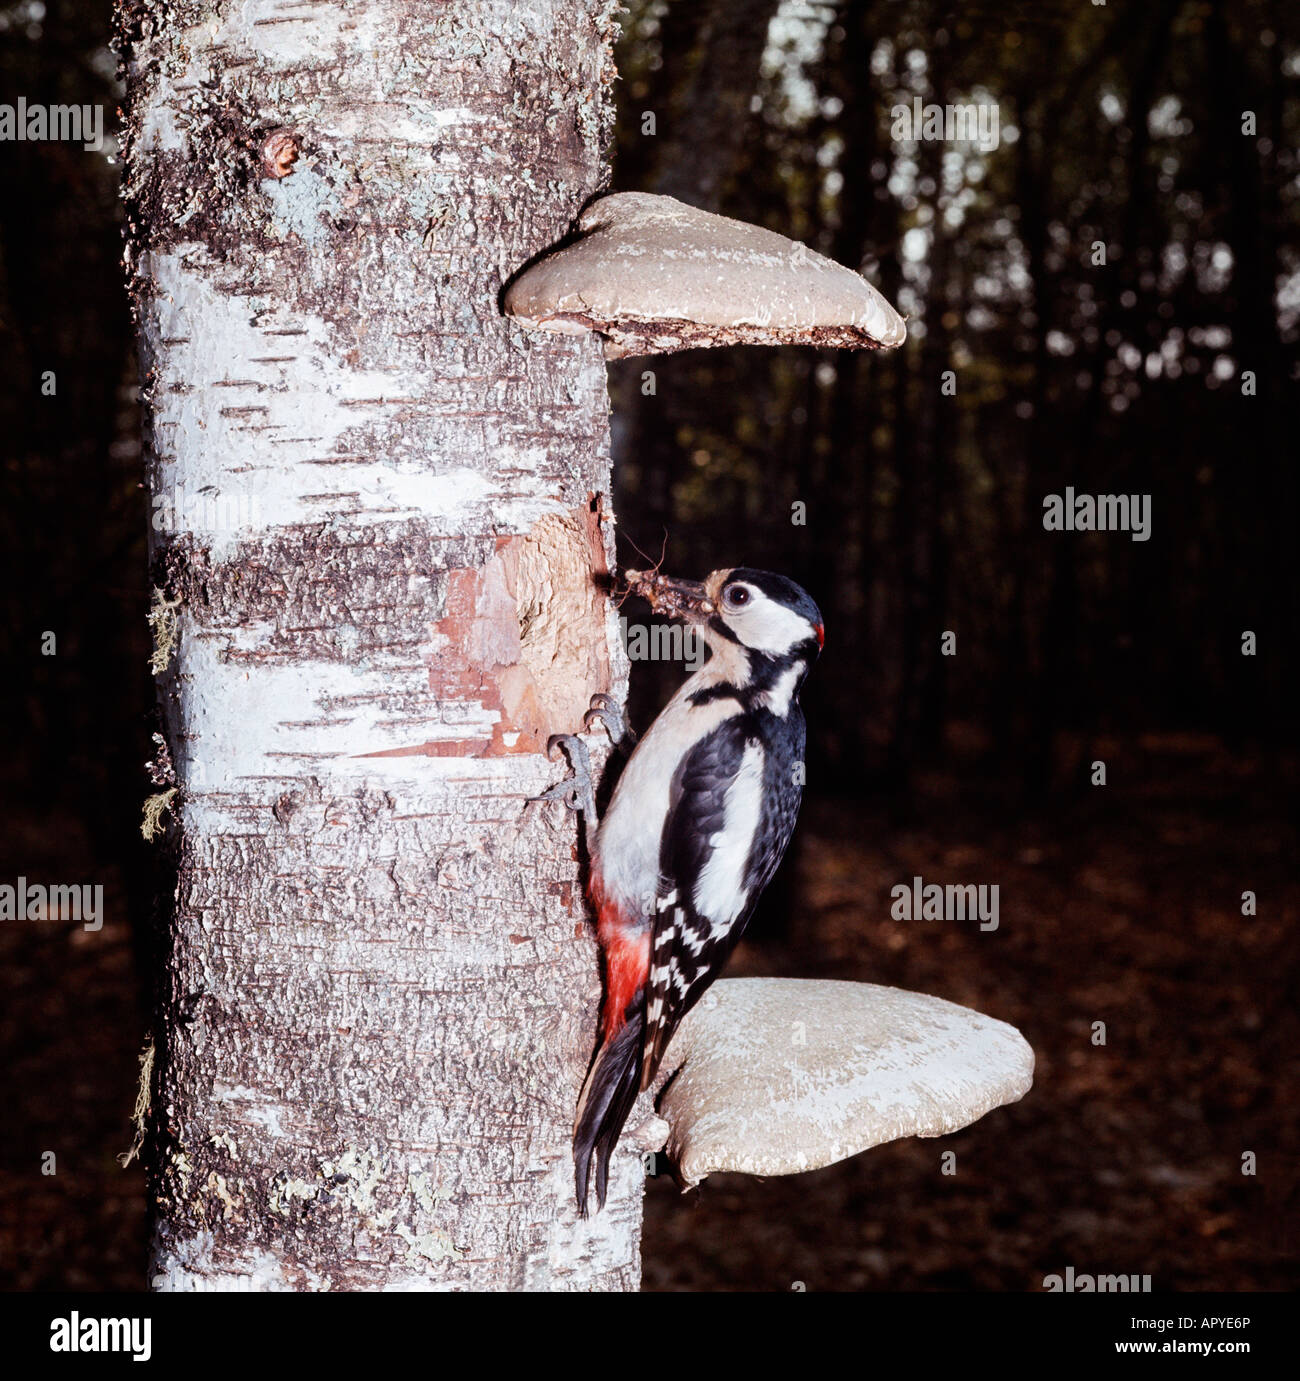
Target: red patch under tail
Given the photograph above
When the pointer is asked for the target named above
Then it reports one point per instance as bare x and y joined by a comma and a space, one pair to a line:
627, 958
614, 1078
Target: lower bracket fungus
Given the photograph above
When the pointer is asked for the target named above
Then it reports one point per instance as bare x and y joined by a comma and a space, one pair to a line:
771, 1076
653, 275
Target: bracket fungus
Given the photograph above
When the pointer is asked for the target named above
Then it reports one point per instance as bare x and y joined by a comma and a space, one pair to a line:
771, 1076
653, 275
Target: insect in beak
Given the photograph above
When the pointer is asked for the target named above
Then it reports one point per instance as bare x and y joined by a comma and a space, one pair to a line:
687, 600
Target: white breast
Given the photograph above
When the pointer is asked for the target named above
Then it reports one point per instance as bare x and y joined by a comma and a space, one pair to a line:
628, 842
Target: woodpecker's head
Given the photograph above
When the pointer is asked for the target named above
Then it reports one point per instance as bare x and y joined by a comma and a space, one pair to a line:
767, 616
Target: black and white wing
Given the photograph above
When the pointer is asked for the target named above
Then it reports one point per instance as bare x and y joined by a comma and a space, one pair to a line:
724, 835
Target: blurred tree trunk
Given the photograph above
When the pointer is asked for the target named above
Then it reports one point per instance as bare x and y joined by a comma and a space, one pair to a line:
701, 98
845, 567
377, 986
936, 429
1081, 463
711, 114
1244, 199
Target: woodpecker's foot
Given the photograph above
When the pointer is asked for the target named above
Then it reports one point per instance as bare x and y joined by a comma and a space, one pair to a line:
605, 709
576, 790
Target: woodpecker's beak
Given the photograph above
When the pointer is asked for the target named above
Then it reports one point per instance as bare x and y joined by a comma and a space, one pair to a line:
688, 600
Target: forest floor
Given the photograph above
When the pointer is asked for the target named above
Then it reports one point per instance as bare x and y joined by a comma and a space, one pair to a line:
1123, 908
1123, 1158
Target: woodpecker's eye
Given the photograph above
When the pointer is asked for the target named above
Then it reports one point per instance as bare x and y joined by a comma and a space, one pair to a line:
735, 596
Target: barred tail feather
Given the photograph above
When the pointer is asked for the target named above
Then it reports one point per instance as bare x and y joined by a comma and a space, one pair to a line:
612, 1085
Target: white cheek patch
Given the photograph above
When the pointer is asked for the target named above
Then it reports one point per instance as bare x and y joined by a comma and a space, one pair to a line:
767, 626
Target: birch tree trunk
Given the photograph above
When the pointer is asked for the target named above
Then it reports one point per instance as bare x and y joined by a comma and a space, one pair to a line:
382, 518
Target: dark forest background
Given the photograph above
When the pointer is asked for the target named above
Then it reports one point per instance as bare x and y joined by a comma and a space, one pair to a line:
1119, 124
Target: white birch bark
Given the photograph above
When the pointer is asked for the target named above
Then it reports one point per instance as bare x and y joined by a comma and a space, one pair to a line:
379, 984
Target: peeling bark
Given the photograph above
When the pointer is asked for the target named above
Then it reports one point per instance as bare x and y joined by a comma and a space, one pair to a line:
379, 988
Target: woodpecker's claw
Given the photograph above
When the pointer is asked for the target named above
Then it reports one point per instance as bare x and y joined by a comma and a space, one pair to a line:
605, 709
576, 790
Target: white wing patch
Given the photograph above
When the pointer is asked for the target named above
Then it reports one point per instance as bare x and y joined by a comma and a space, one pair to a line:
720, 891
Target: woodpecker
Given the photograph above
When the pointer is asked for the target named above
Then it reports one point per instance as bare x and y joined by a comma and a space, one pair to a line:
697, 824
